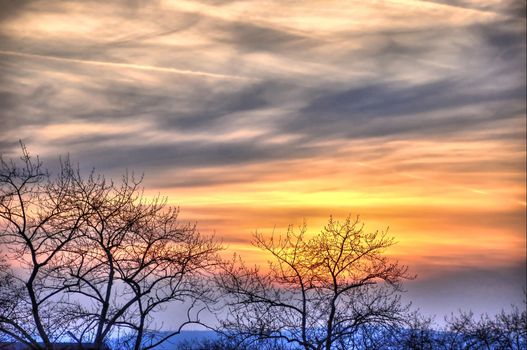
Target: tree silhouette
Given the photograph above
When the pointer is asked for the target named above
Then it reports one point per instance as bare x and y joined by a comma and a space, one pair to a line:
132, 258
318, 293
39, 217
97, 258
506, 330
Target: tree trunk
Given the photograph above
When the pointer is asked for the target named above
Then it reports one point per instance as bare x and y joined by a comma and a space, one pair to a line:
140, 331
99, 335
36, 314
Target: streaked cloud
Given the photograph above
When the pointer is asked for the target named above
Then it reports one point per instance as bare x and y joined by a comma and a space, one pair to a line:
121, 65
255, 115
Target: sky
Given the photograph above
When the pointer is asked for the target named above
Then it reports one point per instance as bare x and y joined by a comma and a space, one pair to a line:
253, 115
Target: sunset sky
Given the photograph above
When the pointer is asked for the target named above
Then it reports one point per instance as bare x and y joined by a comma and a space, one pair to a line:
252, 115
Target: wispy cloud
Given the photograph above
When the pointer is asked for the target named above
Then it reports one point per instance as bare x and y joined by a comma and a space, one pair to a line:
123, 65
253, 114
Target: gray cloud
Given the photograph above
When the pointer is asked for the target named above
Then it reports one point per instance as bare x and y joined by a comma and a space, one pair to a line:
180, 155
388, 110
509, 7
12, 8
247, 38
458, 97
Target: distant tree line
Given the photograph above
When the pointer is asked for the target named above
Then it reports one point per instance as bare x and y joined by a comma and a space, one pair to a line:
505, 331
90, 261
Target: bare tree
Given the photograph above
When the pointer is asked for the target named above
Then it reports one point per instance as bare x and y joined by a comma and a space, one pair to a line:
164, 262
132, 258
318, 292
39, 218
415, 333
506, 330
464, 331
98, 258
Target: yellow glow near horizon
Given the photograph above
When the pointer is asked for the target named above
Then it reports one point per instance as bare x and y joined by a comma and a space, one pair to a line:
427, 213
